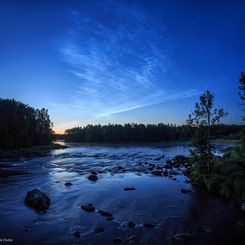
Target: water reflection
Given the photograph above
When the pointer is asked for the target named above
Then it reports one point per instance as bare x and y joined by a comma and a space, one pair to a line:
155, 200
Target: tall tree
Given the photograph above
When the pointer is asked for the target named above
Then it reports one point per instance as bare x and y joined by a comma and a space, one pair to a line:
242, 92
203, 118
242, 97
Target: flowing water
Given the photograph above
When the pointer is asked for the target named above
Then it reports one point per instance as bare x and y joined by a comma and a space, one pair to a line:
155, 200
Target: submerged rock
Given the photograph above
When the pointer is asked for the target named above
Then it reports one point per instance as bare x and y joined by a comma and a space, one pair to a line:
68, 184
131, 224
76, 233
110, 218
157, 172
129, 189
149, 225
93, 172
181, 238
37, 200
117, 240
157, 158
99, 229
92, 177
88, 207
185, 191
105, 213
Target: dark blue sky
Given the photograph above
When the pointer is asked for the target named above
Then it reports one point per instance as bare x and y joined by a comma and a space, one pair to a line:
121, 61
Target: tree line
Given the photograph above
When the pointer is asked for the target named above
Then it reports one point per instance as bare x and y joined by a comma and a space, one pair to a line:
134, 133
23, 126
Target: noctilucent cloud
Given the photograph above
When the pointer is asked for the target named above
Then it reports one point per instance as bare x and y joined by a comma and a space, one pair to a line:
121, 61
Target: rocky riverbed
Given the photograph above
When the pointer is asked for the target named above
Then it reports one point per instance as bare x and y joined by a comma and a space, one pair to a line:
113, 194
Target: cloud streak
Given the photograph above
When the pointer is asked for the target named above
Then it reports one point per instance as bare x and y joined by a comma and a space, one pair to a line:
119, 60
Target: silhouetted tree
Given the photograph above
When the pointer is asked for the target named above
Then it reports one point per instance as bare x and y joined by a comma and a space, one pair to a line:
242, 97
133, 133
203, 118
22, 125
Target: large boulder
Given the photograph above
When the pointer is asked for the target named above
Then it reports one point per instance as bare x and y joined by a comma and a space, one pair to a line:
37, 200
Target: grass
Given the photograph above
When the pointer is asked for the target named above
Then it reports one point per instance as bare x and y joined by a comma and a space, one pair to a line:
227, 177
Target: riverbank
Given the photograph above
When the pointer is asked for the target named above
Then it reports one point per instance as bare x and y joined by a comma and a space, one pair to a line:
28, 152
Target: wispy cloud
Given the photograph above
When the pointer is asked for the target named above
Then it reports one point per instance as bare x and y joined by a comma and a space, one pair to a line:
119, 59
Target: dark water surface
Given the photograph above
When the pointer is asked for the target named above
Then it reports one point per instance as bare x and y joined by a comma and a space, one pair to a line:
156, 200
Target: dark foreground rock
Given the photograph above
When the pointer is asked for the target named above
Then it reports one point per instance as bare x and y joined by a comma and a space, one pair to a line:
129, 189
76, 234
37, 200
181, 238
131, 224
88, 207
99, 229
149, 225
118, 240
185, 191
105, 213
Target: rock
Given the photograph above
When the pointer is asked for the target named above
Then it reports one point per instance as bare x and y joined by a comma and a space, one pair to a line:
88, 207
150, 168
185, 191
68, 184
157, 158
149, 225
93, 173
100, 172
129, 189
131, 224
181, 238
152, 165
76, 234
105, 213
110, 218
119, 169
117, 240
167, 166
165, 173
37, 200
157, 173
98, 229
241, 225
174, 172
92, 177
243, 207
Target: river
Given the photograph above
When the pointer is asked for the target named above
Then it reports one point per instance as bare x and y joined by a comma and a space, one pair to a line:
155, 200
